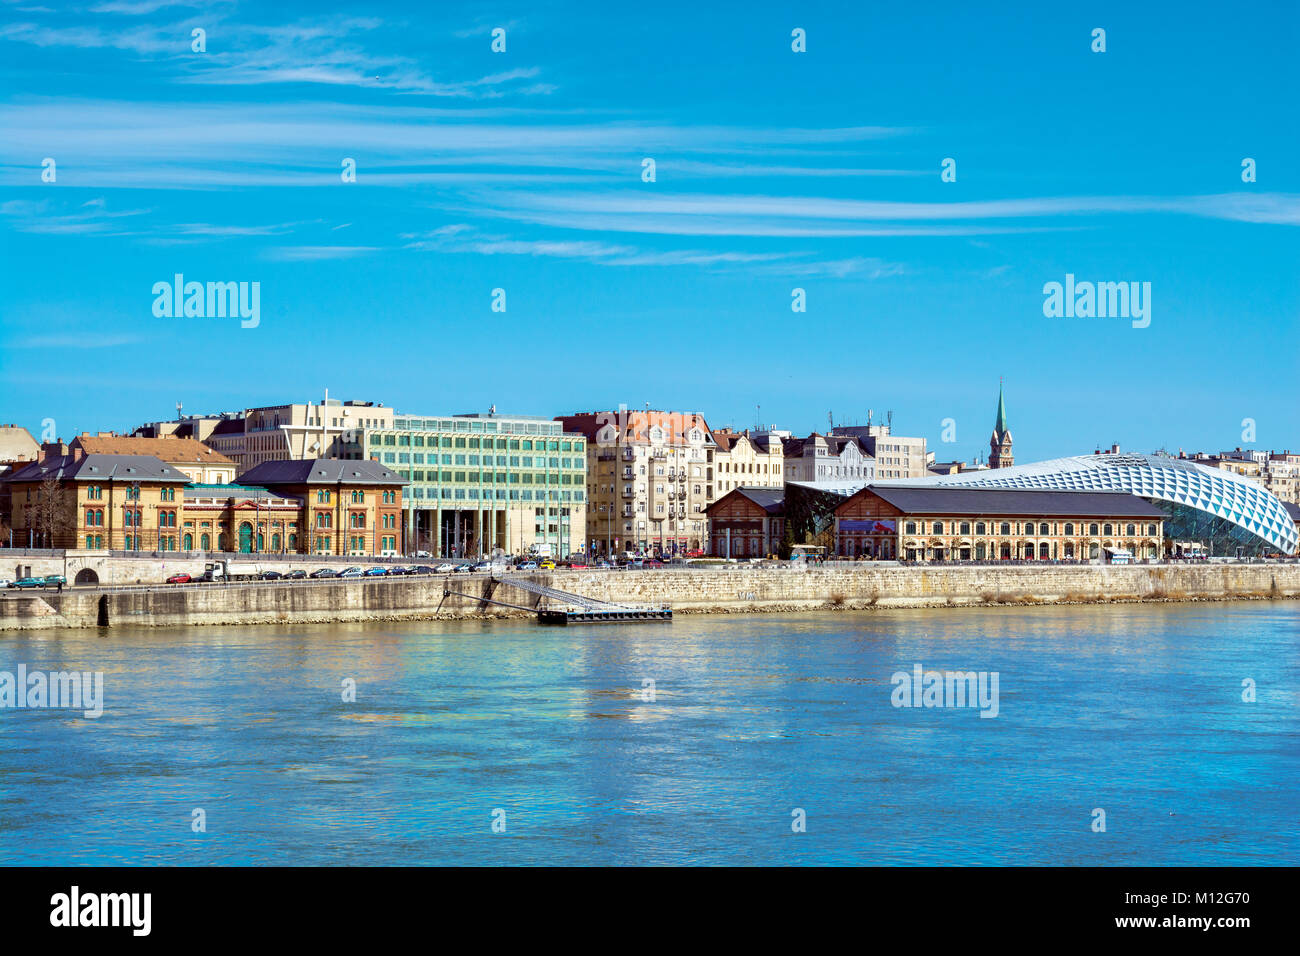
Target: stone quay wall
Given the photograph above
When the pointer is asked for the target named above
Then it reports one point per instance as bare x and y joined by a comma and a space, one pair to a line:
731, 589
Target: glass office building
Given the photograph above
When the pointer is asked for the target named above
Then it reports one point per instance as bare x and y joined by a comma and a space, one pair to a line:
479, 483
1226, 514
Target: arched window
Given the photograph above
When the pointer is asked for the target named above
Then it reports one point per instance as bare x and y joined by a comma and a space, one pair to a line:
1092, 528
938, 527
1043, 551
189, 542
1132, 530
1006, 529
965, 527
205, 541
909, 528
1043, 528
1069, 528
979, 527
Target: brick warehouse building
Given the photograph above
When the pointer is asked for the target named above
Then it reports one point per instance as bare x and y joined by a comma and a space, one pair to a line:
747, 523
965, 524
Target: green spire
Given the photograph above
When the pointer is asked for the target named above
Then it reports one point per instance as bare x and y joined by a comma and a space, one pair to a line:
1000, 426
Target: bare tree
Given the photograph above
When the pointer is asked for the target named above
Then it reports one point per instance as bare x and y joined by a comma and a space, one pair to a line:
52, 515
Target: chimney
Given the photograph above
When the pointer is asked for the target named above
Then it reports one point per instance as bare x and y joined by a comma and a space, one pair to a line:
52, 449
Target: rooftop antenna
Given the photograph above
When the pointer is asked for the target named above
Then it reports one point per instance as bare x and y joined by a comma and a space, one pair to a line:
830, 421
179, 406
492, 410
889, 419
870, 412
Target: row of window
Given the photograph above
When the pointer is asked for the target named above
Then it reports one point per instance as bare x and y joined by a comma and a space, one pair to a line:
503, 444
514, 494
1044, 528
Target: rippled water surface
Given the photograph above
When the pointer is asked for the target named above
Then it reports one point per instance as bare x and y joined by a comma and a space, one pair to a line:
1136, 710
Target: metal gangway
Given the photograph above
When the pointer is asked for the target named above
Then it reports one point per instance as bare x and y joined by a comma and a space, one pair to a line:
581, 609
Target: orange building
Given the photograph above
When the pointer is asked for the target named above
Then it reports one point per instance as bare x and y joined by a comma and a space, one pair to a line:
348, 507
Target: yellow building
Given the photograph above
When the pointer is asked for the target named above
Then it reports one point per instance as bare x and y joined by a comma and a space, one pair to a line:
70, 499
190, 457
745, 460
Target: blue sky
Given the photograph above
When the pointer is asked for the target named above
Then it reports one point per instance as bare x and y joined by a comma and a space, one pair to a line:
522, 170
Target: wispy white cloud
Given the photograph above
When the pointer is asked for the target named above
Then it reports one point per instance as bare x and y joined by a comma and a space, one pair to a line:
806, 216
92, 217
88, 340
317, 253
464, 238
326, 50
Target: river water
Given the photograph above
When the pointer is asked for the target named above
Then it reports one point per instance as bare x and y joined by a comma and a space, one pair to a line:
763, 740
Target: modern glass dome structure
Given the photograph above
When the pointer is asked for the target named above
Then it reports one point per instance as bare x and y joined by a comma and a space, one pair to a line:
1231, 514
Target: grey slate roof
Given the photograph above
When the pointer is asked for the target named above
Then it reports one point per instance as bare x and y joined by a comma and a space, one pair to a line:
771, 500
105, 468
950, 500
321, 471
1292, 509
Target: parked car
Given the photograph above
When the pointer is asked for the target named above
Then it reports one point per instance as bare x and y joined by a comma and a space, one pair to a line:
52, 580
445, 568
297, 575
483, 566
527, 566
424, 569
694, 553
270, 575
464, 568
23, 583
352, 573
602, 565
179, 579
324, 573
376, 572
546, 564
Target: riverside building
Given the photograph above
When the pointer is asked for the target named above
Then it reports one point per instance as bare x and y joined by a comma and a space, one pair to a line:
977, 524
482, 483
650, 478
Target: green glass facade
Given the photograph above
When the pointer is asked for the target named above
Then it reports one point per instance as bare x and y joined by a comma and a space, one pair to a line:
479, 483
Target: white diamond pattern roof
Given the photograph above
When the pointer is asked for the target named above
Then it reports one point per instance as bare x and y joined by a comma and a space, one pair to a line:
1229, 496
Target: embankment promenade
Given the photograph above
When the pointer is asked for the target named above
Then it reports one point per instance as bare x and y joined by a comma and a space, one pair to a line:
713, 590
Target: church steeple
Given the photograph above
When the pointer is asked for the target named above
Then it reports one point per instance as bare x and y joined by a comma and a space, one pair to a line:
1000, 455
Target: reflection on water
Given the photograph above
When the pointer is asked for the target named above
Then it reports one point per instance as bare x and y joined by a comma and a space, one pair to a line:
1133, 709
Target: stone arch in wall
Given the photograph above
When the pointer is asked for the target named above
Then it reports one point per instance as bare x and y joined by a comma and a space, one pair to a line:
86, 576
